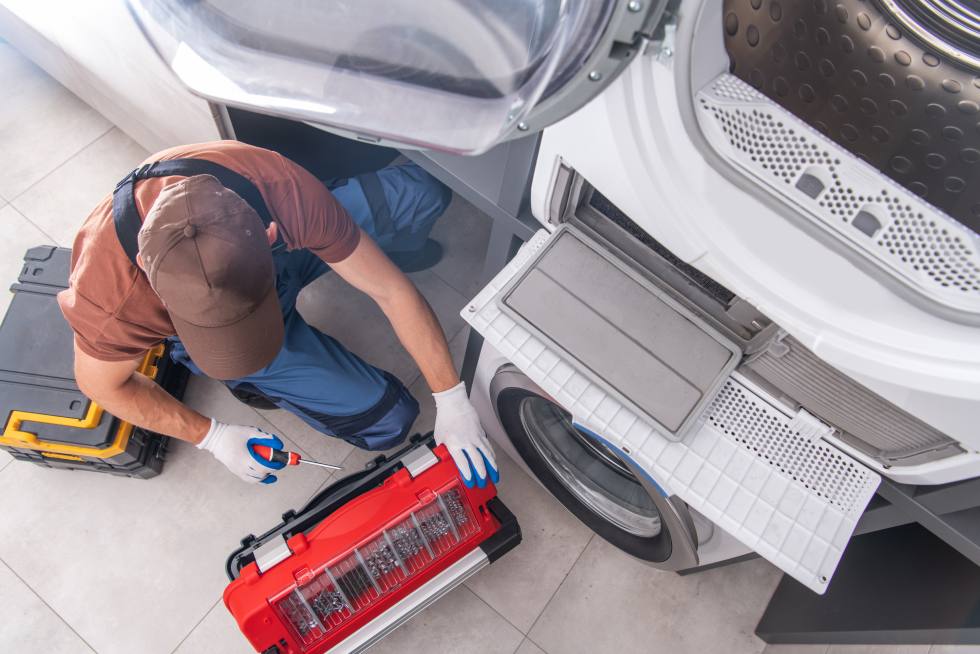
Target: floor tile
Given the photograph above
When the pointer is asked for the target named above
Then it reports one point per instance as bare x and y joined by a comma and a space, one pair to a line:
955, 649
42, 124
878, 649
528, 647
217, 634
520, 584
30, 626
18, 235
464, 232
60, 202
611, 602
459, 623
148, 553
795, 649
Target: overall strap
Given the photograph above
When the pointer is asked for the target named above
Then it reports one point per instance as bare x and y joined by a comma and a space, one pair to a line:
125, 213
378, 203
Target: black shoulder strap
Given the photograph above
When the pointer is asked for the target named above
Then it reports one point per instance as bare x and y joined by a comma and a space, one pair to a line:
125, 213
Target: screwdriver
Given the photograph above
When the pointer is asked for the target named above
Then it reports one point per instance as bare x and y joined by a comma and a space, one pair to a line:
288, 458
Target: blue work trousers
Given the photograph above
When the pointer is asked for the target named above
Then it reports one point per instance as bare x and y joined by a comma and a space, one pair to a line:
314, 376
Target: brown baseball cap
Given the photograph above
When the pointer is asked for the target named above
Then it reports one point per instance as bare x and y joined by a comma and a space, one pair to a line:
206, 254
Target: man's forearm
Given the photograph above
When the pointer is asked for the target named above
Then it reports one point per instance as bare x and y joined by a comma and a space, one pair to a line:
419, 331
142, 402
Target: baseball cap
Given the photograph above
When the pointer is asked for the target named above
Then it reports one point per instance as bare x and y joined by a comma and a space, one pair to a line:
206, 254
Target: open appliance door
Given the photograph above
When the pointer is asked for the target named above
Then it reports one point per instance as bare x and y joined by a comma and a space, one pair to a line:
454, 75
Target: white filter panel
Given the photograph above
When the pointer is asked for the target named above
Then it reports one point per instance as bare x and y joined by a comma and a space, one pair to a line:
916, 243
794, 500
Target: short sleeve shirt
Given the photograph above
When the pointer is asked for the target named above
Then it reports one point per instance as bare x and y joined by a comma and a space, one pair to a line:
116, 315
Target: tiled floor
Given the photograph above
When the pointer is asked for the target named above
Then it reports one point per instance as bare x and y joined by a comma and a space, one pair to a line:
94, 563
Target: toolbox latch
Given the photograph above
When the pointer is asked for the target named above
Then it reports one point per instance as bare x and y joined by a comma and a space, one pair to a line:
271, 553
419, 460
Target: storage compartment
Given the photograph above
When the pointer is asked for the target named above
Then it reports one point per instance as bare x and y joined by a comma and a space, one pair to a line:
46, 418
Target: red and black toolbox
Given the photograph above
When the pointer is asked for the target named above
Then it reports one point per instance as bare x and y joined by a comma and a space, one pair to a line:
45, 417
366, 554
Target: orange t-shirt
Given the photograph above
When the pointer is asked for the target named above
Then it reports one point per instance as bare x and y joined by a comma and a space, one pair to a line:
109, 304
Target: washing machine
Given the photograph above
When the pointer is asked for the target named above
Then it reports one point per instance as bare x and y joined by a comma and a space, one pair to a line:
596, 482
755, 291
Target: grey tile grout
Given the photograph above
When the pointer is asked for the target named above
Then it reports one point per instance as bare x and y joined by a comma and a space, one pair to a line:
528, 639
487, 604
463, 292
558, 588
196, 625
43, 601
20, 213
65, 162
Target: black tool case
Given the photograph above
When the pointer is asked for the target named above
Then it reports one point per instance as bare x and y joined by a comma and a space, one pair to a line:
46, 419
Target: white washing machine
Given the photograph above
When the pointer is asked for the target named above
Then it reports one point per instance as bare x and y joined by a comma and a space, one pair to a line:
595, 481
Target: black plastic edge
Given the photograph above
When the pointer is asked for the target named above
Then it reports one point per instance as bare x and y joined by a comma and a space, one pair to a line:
507, 537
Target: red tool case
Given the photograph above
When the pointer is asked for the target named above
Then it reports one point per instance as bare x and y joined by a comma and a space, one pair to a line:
366, 554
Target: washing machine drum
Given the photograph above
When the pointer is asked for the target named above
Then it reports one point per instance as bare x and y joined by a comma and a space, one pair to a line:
597, 483
896, 83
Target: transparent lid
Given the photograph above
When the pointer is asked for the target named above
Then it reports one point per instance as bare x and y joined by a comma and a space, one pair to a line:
456, 75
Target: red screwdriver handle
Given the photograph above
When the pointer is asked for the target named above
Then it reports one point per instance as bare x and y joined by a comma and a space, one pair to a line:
277, 456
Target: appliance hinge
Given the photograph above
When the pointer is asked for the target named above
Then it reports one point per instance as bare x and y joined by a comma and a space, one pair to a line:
661, 38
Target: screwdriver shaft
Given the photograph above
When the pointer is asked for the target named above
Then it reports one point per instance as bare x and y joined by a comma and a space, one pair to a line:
322, 465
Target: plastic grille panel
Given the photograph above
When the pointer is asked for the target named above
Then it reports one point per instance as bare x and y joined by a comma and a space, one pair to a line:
868, 422
793, 501
891, 227
828, 473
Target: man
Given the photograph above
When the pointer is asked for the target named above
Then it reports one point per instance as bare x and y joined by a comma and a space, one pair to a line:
215, 267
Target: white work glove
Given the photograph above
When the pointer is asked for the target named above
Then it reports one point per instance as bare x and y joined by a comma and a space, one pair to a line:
232, 445
458, 428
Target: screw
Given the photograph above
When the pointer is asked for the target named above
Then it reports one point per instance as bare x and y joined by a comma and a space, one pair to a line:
522, 126
471, 308
595, 76
634, 6
667, 53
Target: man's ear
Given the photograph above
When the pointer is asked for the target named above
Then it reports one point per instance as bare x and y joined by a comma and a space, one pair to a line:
272, 231
139, 261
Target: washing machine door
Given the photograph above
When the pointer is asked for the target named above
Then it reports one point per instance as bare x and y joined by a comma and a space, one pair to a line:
597, 482
457, 75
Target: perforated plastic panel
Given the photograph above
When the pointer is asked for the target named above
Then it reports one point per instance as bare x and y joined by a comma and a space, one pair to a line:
916, 243
795, 501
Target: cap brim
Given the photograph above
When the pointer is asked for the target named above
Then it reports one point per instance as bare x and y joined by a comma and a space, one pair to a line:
237, 350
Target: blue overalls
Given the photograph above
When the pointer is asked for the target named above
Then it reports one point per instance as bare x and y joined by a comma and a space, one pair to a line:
314, 376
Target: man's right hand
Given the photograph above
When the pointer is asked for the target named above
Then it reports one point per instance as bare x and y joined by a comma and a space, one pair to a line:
233, 446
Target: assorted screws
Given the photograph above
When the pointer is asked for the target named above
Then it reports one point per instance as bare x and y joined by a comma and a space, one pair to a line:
366, 569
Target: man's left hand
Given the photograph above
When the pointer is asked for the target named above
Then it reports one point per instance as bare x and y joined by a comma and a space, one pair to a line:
458, 428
